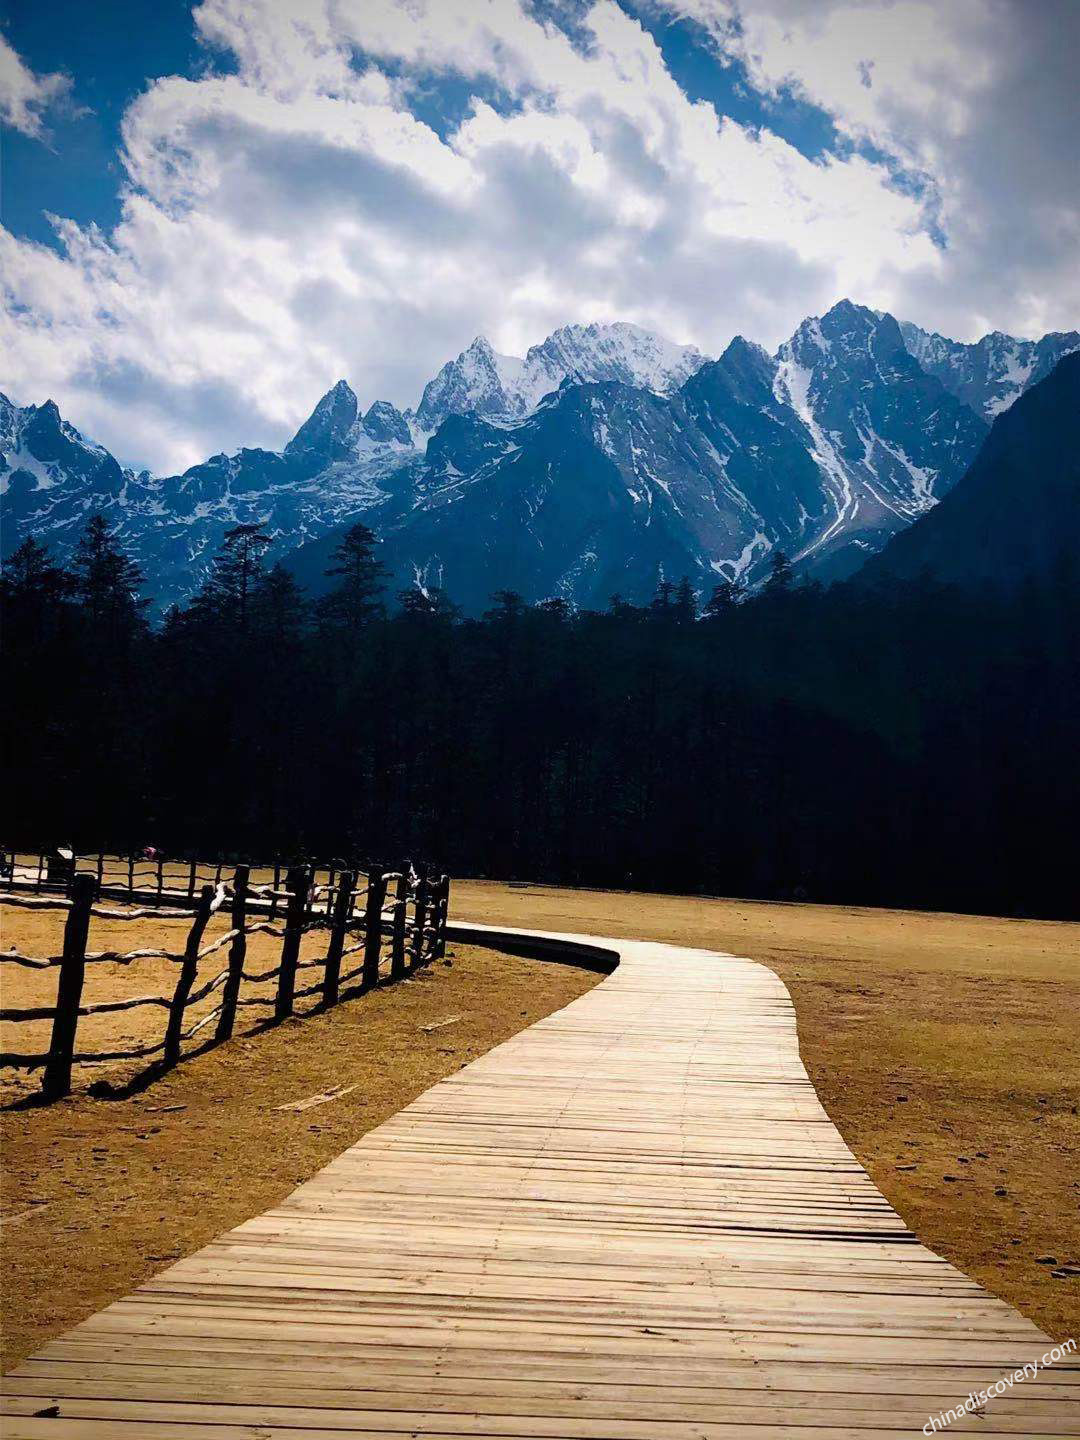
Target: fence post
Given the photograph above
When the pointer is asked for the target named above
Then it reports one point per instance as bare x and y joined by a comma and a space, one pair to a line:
189, 969
131, 877
342, 905
277, 887
397, 934
442, 914
160, 876
191, 880
57, 1079
297, 882
373, 919
100, 870
420, 919
309, 904
237, 954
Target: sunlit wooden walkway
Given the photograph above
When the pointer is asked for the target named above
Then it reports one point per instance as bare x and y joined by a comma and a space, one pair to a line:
632, 1221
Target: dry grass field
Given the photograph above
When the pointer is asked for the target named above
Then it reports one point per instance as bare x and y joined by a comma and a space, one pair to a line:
97, 1194
946, 1048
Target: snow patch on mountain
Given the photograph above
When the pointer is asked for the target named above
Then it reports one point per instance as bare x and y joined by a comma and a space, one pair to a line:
991, 374
505, 388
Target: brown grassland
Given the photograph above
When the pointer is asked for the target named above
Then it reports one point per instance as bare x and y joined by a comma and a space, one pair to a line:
98, 1194
945, 1048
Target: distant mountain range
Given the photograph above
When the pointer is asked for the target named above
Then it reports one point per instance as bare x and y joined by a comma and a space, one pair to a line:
603, 460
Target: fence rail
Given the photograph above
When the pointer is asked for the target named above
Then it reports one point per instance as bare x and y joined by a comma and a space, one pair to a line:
402, 912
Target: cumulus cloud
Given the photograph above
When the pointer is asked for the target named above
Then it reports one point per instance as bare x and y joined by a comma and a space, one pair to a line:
976, 102
295, 221
24, 96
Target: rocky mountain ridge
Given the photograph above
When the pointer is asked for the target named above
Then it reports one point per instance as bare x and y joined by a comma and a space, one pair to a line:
602, 460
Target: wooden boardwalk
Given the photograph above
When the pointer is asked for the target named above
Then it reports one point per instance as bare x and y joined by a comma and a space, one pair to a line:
633, 1220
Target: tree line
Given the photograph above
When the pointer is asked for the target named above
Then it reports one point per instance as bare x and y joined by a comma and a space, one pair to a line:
902, 744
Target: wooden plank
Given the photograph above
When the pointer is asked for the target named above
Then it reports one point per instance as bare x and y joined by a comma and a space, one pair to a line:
634, 1220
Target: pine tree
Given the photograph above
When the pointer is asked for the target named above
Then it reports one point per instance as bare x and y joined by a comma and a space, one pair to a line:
107, 583
685, 605
357, 598
30, 579
278, 608
430, 604
225, 599
509, 606
556, 609
722, 601
661, 604
620, 607
781, 575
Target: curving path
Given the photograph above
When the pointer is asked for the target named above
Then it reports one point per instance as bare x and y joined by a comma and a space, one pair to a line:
633, 1220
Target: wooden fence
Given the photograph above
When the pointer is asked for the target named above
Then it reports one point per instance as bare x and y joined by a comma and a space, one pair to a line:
402, 912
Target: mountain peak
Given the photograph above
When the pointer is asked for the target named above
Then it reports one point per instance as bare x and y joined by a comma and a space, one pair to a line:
49, 411
847, 307
739, 348
327, 428
847, 316
386, 424
477, 381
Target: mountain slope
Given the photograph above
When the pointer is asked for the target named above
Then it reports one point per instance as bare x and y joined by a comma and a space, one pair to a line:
603, 489
888, 439
1016, 513
992, 373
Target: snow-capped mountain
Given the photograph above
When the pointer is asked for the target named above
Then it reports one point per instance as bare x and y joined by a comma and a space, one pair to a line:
50, 475
992, 373
824, 450
338, 464
887, 438
603, 459
503, 387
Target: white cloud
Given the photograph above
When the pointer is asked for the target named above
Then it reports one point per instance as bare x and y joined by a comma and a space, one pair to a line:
294, 222
24, 96
977, 100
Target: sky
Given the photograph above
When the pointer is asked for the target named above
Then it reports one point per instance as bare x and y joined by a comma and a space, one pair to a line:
211, 212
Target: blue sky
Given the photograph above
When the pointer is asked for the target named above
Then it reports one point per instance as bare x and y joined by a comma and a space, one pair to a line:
256, 197
110, 52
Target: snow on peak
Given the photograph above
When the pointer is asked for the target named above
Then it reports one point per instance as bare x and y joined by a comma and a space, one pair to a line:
479, 380
616, 351
505, 387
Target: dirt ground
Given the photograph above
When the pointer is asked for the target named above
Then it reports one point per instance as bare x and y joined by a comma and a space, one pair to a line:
946, 1048
98, 1194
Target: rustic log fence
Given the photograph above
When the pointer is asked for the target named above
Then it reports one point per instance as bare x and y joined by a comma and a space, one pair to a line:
407, 930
